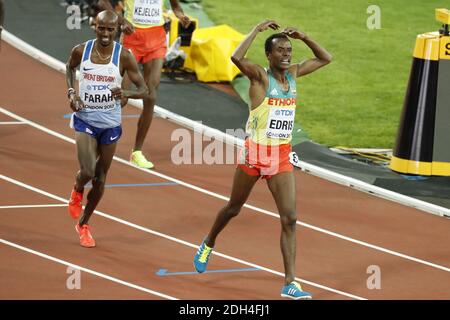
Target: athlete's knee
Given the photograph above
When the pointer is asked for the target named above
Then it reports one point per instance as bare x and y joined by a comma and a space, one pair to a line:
288, 218
100, 178
99, 181
88, 172
233, 209
151, 97
151, 94
149, 107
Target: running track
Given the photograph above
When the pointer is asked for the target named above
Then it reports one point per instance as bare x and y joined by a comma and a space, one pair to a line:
142, 229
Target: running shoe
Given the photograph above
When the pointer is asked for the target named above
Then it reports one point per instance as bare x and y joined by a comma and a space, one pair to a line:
202, 257
76, 198
86, 239
294, 291
138, 159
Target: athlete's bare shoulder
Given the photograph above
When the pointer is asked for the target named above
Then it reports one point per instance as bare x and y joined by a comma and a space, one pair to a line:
76, 55
125, 54
78, 49
127, 60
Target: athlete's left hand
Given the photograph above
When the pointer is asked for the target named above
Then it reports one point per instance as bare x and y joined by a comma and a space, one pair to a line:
76, 104
117, 93
294, 33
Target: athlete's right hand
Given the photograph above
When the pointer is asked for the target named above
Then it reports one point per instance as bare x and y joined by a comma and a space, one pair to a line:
266, 24
75, 103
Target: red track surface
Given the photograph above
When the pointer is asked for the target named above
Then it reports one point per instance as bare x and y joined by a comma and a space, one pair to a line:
166, 223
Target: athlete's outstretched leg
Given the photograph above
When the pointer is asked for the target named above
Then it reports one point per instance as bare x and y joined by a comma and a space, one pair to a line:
242, 186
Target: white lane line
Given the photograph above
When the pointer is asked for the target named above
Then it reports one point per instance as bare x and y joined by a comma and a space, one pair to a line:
163, 235
25, 206
95, 273
216, 195
11, 122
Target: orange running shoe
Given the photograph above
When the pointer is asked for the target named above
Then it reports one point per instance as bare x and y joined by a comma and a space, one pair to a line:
86, 239
76, 198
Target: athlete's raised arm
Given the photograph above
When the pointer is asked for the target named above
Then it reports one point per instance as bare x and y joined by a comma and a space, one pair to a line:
322, 56
250, 69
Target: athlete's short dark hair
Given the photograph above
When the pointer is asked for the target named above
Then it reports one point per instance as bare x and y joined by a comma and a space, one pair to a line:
269, 44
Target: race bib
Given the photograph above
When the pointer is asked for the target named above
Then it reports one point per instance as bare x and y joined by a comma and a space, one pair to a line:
148, 12
280, 123
97, 96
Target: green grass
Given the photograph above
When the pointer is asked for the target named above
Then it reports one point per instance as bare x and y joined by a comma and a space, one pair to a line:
355, 101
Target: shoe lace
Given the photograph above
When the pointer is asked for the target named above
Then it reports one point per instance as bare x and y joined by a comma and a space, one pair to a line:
205, 253
138, 155
76, 197
85, 230
297, 285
